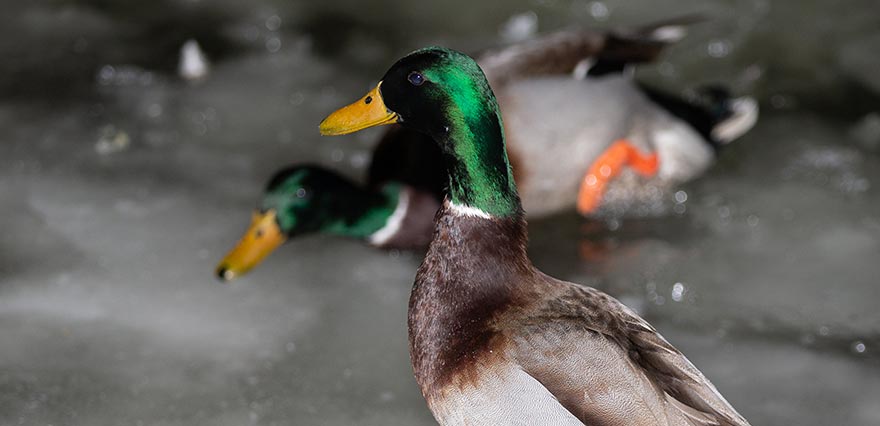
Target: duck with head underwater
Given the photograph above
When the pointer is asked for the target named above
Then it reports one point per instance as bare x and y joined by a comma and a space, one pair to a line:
570, 113
493, 341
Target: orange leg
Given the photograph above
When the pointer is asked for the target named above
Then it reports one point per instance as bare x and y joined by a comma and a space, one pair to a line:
619, 155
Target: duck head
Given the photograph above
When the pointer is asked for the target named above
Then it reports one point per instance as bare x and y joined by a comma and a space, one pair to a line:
444, 94
302, 200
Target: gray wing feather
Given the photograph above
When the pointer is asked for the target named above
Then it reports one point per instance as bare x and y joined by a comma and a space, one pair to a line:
676, 375
688, 390
562, 52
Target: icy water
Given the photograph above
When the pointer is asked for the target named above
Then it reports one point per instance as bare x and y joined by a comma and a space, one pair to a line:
122, 185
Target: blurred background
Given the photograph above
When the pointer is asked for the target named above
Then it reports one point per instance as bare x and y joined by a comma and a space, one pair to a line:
123, 184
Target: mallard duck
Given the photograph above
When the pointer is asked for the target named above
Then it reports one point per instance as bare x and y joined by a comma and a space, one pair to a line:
560, 138
308, 198
493, 340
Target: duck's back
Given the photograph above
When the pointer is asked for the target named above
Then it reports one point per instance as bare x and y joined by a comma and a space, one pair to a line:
557, 126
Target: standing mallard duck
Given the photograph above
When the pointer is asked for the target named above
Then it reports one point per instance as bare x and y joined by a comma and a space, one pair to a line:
574, 122
494, 341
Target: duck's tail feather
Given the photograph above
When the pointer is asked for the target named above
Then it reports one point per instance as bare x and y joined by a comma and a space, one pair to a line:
626, 47
742, 116
583, 51
712, 111
667, 30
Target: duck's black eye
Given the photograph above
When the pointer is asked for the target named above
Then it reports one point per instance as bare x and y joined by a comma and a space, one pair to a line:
302, 193
416, 78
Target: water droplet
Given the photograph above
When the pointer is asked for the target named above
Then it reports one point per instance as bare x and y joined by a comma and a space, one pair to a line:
613, 224
599, 11
359, 160
678, 290
681, 197
520, 27
591, 179
273, 23
859, 347
106, 74
297, 98
273, 44
719, 48
753, 220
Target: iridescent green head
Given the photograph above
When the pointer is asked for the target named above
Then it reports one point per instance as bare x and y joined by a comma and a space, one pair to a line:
443, 93
302, 200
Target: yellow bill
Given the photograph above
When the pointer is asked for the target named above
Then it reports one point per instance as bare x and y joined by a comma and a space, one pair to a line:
261, 238
369, 111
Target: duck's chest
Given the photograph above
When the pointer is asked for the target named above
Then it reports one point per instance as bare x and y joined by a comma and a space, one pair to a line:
497, 393
464, 289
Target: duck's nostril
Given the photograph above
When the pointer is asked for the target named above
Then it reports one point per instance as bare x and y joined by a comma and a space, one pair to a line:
224, 274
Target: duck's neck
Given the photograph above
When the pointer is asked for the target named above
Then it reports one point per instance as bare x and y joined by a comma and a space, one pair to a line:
480, 178
475, 269
367, 213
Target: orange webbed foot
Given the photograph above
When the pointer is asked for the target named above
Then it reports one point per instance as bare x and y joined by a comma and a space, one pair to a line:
607, 166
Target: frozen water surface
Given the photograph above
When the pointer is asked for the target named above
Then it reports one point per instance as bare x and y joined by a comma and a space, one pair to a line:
122, 185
